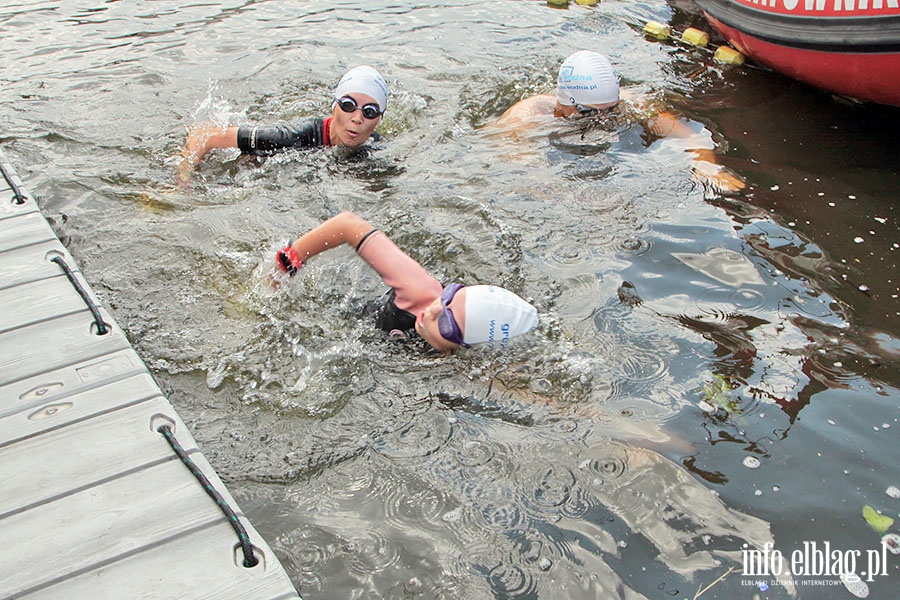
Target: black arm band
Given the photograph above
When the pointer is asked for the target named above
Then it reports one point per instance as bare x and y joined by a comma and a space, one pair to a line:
364, 238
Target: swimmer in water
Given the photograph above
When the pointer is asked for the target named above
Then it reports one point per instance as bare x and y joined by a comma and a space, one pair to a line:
446, 317
358, 103
588, 86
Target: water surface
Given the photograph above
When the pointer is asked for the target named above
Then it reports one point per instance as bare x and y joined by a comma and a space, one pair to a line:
682, 332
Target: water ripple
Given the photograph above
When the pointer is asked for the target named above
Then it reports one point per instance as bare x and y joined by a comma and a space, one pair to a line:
422, 436
371, 552
502, 514
511, 581
635, 245
415, 505
549, 486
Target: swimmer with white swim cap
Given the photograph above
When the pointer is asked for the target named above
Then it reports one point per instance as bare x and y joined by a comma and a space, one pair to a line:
357, 105
587, 85
446, 317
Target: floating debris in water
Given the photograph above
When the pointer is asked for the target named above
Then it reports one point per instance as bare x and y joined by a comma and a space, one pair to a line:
751, 462
877, 521
855, 585
453, 516
858, 240
893, 491
892, 542
545, 564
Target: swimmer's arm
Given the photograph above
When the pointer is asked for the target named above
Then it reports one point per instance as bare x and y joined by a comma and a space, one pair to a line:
200, 140
666, 124
345, 228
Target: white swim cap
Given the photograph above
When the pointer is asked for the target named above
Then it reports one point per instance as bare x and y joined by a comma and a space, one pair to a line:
587, 78
495, 315
364, 80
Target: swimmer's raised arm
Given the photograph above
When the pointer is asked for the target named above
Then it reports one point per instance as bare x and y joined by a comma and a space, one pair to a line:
345, 228
446, 318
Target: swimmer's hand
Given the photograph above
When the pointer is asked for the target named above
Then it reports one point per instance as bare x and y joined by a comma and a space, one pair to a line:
288, 260
201, 138
193, 151
721, 179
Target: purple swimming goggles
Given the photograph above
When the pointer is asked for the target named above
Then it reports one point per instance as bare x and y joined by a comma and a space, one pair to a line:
447, 324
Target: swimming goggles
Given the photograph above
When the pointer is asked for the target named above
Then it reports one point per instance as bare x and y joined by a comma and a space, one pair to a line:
349, 105
590, 110
447, 324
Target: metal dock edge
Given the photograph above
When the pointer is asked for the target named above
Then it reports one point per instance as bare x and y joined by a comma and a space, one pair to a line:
95, 502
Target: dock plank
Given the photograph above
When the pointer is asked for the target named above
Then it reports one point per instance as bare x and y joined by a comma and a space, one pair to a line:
34, 471
95, 526
24, 230
157, 573
76, 390
38, 301
48, 346
24, 265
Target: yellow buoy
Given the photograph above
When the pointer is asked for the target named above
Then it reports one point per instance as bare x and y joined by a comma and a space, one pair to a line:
695, 37
587, 2
657, 30
558, 2
728, 56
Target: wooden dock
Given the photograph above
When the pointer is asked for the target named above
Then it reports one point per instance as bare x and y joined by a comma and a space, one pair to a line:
95, 501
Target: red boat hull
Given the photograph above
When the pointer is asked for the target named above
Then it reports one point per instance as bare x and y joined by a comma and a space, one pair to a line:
844, 46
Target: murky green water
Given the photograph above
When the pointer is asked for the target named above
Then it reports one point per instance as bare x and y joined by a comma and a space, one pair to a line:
604, 457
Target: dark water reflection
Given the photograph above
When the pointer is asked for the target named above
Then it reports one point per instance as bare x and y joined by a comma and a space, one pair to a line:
682, 332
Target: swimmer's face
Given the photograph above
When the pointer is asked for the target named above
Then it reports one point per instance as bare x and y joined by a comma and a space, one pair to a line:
427, 321
582, 109
352, 129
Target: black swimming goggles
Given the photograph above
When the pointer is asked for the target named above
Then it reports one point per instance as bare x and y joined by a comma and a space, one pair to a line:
349, 105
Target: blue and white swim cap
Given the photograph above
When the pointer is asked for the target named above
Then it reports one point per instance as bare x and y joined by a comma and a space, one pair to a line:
364, 80
587, 78
494, 315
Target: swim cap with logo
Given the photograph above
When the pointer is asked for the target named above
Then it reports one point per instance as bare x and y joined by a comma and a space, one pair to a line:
587, 78
495, 315
364, 80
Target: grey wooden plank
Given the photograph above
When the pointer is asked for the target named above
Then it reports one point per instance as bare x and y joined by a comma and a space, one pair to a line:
23, 265
35, 471
95, 526
158, 574
51, 345
24, 230
10, 208
41, 300
76, 390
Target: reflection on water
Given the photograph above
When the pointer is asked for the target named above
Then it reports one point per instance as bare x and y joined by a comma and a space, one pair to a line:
683, 335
